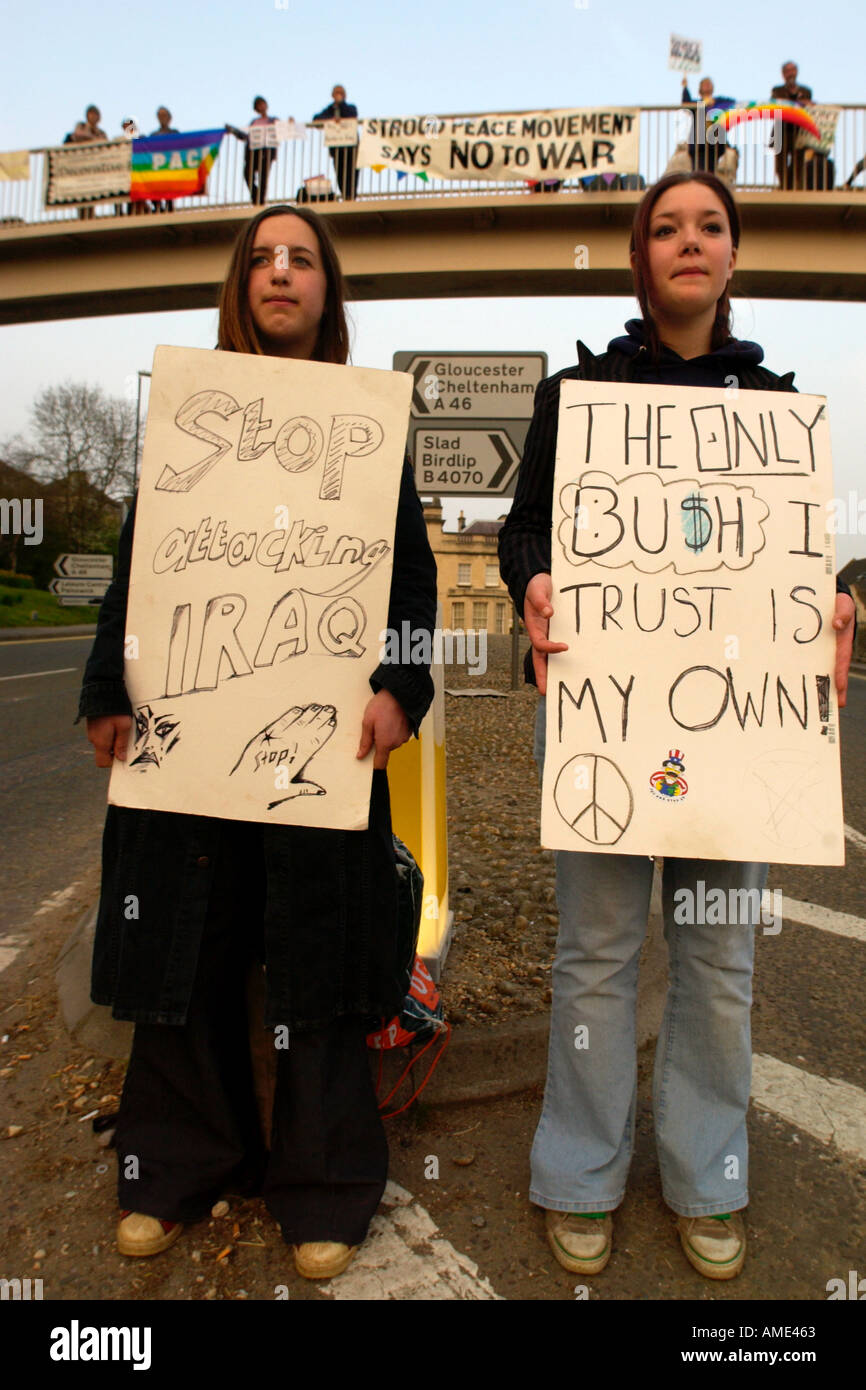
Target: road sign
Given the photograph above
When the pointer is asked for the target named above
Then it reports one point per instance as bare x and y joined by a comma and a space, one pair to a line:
472, 461
79, 588
80, 602
473, 385
471, 412
85, 566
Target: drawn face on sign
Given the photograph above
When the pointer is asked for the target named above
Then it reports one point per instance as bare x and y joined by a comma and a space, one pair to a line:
691, 252
156, 733
287, 287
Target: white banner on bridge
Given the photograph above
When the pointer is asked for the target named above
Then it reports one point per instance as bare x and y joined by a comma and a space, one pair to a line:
261, 571
694, 713
76, 175
534, 145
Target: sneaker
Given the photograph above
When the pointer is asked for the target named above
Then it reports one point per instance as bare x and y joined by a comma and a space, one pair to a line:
138, 1234
714, 1245
323, 1259
581, 1241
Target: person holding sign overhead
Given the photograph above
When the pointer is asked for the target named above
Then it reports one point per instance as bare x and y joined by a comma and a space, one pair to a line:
684, 246
190, 903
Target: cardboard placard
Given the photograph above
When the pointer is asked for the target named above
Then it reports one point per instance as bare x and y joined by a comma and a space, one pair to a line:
685, 55
259, 590
694, 713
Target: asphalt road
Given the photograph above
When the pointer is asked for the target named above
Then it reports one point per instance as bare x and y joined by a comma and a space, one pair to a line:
807, 1220
52, 797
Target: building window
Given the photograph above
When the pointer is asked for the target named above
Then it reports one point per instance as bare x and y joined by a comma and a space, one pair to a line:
464, 574
479, 616
491, 576
500, 617
457, 618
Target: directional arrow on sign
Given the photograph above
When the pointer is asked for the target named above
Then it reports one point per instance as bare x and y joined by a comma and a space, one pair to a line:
79, 588
85, 566
473, 385
471, 461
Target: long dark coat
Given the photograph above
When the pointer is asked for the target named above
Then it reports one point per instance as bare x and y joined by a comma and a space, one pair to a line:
333, 941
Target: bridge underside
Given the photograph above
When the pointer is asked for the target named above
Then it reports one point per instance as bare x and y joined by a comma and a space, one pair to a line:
795, 246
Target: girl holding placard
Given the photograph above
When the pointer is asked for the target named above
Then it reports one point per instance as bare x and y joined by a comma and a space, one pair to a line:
214, 897
684, 246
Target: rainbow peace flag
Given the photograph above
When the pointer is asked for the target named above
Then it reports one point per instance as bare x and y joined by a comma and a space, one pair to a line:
173, 166
755, 111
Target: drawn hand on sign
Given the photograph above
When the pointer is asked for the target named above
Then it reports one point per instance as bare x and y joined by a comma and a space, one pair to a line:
282, 750
537, 612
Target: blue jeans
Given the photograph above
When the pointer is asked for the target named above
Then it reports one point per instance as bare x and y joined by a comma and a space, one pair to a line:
703, 1060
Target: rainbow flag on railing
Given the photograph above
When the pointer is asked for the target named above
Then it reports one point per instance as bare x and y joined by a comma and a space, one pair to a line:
173, 166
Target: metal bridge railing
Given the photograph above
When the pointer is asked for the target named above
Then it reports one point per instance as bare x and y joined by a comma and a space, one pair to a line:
662, 128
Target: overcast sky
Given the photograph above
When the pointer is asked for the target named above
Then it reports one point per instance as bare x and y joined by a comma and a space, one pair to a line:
207, 61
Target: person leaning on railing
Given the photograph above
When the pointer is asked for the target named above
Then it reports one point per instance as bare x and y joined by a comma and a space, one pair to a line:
257, 162
344, 156
86, 131
163, 115
789, 161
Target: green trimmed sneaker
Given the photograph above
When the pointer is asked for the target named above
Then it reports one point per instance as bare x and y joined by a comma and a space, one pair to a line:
580, 1240
714, 1245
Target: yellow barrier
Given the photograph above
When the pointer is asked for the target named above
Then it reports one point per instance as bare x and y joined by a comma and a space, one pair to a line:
416, 776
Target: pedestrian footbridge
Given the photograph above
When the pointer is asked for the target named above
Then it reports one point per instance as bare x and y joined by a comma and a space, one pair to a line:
424, 241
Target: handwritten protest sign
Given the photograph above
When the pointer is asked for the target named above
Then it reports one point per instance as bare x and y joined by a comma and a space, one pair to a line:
533, 145
274, 134
77, 175
340, 132
261, 572
685, 55
694, 713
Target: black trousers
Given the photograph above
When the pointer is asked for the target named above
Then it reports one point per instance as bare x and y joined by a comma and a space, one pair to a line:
345, 160
188, 1127
257, 167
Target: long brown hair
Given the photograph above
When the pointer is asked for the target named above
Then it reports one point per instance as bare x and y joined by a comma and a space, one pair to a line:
639, 246
237, 332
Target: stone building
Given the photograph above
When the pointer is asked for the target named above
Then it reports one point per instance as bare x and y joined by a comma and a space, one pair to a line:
471, 592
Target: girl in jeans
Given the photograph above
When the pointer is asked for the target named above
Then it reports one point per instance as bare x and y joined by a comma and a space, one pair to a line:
683, 251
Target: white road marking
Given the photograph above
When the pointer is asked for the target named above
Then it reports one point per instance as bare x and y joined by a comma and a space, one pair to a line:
832, 1111
855, 837
29, 675
10, 947
405, 1258
812, 915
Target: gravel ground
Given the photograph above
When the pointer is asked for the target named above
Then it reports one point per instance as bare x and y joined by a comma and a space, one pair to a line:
501, 883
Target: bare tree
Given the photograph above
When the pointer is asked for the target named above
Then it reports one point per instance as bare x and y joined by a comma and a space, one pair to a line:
82, 442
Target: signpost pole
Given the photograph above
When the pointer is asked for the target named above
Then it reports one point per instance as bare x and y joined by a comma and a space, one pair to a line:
515, 649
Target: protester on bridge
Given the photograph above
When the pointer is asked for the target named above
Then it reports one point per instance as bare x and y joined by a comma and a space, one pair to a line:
215, 896
705, 153
345, 157
88, 129
789, 162
258, 161
165, 127
583, 1144
84, 132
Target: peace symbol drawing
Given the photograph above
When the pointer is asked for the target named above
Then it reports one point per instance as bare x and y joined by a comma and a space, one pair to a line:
594, 798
